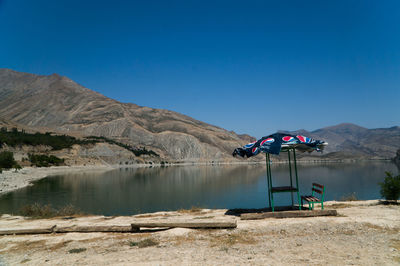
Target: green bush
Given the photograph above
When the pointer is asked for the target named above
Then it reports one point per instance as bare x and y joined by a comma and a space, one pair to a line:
76, 250
56, 142
137, 151
148, 242
38, 211
390, 187
17, 167
41, 160
7, 160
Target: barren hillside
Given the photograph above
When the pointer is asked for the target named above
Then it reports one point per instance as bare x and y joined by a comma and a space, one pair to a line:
58, 103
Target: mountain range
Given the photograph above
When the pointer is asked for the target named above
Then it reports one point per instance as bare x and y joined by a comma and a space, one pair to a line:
355, 141
59, 104
62, 105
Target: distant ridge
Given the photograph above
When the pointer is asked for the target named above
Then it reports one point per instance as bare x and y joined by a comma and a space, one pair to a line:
352, 139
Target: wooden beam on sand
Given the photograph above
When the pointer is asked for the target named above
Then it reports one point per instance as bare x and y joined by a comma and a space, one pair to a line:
27, 231
228, 223
134, 227
287, 214
93, 228
68, 229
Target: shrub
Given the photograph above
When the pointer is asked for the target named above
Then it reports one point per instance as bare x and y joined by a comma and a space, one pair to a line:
390, 187
39, 211
76, 250
17, 167
137, 151
44, 160
7, 160
56, 142
68, 210
148, 242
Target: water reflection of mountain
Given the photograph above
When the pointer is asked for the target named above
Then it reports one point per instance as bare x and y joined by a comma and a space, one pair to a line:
172, 187
133, 190
209, 177
128, 191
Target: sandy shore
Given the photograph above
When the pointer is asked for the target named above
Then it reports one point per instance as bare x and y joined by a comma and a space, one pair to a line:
11, 180
364, 233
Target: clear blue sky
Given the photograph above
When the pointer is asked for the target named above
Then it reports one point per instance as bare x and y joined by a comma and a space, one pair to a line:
249, 66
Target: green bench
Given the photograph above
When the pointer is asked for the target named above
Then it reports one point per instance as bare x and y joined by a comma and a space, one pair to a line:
312, 199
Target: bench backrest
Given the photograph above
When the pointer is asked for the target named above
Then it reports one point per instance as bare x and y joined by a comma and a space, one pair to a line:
317, 188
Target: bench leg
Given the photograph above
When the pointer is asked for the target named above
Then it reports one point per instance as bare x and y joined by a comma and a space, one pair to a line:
272, 202
322, 205
298, 198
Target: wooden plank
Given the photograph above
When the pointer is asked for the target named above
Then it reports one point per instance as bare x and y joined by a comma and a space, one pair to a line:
231, 223
283, 189
311, 199
317, 190
287, 214
93, 228
26, 231
318, 185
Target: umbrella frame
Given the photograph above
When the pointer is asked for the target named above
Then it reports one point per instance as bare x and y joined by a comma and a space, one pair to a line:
291, 188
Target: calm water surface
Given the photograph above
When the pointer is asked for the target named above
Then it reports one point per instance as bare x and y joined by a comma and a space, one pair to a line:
132, 191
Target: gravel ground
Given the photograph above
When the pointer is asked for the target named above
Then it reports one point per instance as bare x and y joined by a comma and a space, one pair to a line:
364, 233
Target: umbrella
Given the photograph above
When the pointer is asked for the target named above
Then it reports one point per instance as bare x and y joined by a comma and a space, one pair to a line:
274, 144
280, 141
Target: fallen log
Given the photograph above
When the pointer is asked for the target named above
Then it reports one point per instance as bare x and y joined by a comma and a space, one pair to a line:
231, 223
27, 231
93, 228
287, 214
134, 227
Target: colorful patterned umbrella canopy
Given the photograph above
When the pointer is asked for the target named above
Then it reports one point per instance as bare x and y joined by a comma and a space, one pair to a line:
280, 141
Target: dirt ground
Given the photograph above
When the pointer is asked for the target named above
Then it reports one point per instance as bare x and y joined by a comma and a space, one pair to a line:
364, 233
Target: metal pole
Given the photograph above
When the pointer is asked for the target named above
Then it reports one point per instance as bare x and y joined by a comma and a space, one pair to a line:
290, 171
297, 179
270, 181
269, 191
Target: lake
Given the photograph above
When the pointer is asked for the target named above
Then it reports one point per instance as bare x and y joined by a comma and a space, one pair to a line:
128, 191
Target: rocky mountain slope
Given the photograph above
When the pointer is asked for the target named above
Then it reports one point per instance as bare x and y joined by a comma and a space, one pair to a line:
351, 140
62, 105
